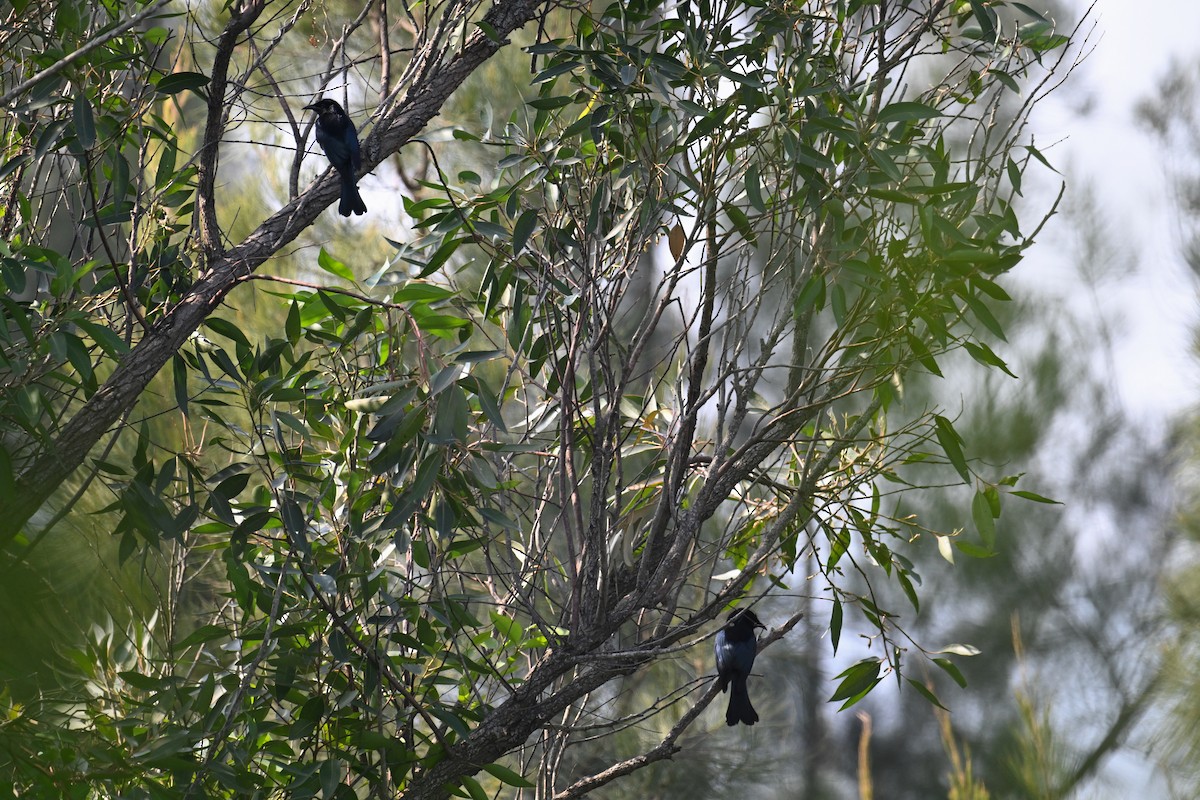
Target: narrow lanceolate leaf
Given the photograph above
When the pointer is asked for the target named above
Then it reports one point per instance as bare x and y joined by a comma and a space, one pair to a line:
85, 122
523, 229
857, 680
986, 356
951, 444
835, 624
986, 19
754, 189
474, 789
952, 670
926, 692
906, 112
182, 81
1035, 497
179, 372
334, 267
985, 523
508, 776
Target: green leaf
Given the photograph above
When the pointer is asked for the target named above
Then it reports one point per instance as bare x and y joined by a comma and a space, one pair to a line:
179, 374
902, 577
985, 523
508, 627
331, 772
495, 517
335, 267
550, 103
986, 356
1024, 9
419, 291
444, 378
146, 683
477, 356
80, 359
951, 444
451, 421
885, 163
441, 255
926, 693
812, 295
7, 478
857, 681
973, 550
490, 32
1033, 151
922, 354
835, 624
228, 330
952, 670
524, 229
984, 315
986, 18
990, 288
106, 337
754, 189
906, 112
1014, 175
741, 222
292, 326
294, 523
85, 123
181, 81
1034, 496
232, 486
474, 789
13, 164
508, 776
201, 635
451, 719
487, 401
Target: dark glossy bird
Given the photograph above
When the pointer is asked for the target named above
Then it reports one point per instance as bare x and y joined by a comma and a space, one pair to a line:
339, 140
736, 647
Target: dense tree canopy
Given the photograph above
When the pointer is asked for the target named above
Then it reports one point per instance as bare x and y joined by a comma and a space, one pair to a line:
638, 354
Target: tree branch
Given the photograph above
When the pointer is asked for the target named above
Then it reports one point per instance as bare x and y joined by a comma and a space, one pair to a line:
206, 200
666, 748
123, 388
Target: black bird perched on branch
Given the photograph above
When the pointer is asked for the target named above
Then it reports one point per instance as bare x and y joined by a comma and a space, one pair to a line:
339, 140
736, 648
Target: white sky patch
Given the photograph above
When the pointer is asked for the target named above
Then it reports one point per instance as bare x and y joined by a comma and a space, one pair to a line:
1092, 135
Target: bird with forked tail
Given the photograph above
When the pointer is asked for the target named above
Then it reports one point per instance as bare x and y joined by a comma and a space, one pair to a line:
736, 646
339, 140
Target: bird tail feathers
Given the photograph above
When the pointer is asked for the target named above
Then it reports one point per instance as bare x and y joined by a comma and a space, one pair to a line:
351, 202
739, 709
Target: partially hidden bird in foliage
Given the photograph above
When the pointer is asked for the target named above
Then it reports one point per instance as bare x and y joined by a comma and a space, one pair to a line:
339, 140
736, 647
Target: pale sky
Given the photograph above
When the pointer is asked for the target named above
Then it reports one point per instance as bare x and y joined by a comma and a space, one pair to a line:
1134, 42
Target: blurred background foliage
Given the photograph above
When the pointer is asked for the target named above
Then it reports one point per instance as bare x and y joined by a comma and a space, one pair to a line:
1086, 614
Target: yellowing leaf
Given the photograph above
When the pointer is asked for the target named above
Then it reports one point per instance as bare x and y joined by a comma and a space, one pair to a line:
676, 240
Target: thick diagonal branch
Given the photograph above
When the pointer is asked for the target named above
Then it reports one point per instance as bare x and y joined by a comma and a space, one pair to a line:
66, 452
